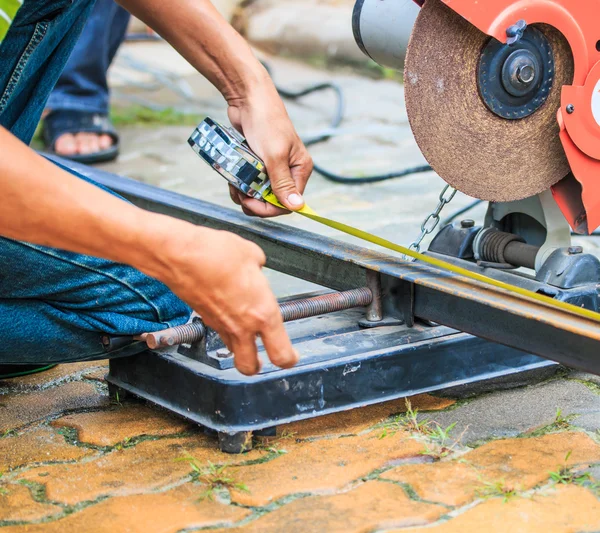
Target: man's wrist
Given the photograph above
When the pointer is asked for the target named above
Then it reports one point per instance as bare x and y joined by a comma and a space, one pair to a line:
239, 88
157, 242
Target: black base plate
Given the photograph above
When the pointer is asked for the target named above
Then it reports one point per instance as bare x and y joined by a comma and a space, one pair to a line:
355, 368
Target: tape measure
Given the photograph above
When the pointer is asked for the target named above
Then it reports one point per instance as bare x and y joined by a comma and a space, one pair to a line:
226, 151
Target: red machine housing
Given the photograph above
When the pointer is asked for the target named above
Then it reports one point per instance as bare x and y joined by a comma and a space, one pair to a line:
579, 116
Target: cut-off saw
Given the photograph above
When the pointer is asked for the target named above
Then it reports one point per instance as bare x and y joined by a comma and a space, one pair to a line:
503, 98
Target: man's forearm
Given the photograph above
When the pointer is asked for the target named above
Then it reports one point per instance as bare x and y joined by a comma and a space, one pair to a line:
45, 205
200, 34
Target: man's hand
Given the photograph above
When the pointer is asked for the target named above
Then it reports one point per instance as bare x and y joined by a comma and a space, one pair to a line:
219, 275
207, 41
261, 117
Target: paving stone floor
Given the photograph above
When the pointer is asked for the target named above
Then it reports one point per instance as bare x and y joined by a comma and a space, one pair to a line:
72, 460
521, 460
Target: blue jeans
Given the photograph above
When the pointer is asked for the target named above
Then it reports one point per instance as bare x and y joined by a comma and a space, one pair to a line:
55, 305
82, 85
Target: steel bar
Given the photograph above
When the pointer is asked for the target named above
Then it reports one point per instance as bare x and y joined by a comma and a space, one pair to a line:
439, 296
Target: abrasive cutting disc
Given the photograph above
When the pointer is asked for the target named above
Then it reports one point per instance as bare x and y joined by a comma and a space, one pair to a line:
470, 147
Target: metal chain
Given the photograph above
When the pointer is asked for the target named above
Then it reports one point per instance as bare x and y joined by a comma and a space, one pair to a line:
433, 219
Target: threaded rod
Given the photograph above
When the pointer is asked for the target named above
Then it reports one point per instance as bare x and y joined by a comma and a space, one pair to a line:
292, 310
326, 303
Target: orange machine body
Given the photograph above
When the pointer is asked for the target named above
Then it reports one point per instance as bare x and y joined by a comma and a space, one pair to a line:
579, 116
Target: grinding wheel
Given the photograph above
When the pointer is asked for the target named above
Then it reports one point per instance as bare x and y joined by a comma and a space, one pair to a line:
472, 148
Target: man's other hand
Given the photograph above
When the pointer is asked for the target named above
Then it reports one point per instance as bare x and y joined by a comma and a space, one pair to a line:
263, 120
220, 276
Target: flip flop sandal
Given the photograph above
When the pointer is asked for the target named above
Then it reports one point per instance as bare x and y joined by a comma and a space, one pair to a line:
63, 121
15, 371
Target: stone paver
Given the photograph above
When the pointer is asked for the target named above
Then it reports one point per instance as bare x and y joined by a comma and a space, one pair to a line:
17, 504
567, 509
514, 464
18, 410
53, 376
167, 512
40, 445
334, 464
107, 428
372, 506
141, 468
355, 421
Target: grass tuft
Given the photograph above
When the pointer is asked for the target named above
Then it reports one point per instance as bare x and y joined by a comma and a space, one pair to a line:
212, 477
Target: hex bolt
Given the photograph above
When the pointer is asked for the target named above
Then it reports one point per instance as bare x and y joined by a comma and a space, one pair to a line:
467, 223
575, 250
526, 74
570, 109
223, 353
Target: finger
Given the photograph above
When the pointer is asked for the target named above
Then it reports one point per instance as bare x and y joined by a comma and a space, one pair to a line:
302, 171
277, 343
283, 183
245, 354
233, 193
253, 207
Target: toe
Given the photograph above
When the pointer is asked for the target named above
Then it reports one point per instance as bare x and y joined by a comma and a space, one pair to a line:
65, 145
105, 142
87, 143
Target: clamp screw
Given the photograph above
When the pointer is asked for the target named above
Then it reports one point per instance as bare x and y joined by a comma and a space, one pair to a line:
468, 223
575, 250
515, 32
570, 109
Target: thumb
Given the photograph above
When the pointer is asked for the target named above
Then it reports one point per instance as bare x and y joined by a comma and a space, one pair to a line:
283, 184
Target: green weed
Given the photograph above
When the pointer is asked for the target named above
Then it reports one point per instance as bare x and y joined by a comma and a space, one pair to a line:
566, 476
497, 489
213, 477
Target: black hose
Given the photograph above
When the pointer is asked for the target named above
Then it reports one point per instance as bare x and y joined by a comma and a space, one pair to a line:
337, 119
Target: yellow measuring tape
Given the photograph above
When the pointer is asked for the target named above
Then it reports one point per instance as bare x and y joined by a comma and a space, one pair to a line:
307, 212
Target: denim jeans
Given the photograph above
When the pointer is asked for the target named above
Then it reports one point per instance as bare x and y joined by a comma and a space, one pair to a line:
82, 85
55, 305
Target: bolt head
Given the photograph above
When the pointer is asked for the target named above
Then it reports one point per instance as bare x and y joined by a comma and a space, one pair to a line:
223, 353
575, 250
526, 74
468, 223
570, 109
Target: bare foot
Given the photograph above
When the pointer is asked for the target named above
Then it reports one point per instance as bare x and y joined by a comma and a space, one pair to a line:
82, 143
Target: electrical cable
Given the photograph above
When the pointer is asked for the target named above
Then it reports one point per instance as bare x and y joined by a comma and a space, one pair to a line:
15, 371
335, 122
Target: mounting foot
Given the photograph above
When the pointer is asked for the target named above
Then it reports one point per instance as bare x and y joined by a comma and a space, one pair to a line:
117, 394
235, 442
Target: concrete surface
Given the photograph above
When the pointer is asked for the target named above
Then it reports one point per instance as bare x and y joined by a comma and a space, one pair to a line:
72, 461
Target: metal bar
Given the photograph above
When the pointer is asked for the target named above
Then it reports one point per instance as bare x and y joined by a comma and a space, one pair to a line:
521, 254
440, 296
